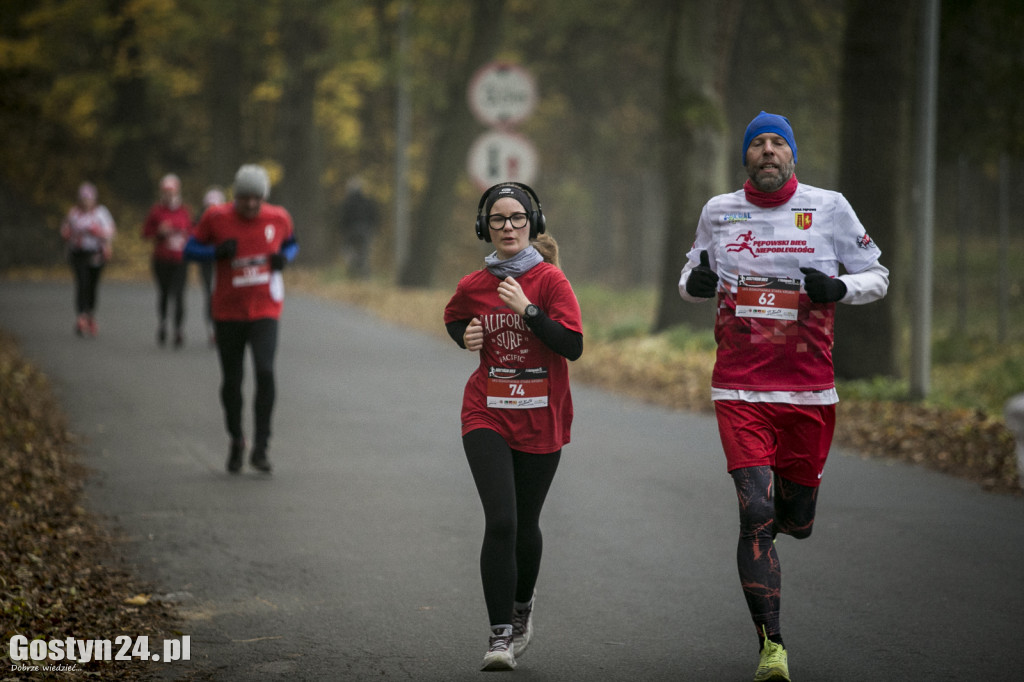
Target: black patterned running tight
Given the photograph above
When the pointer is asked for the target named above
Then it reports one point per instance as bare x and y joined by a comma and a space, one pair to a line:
768, 505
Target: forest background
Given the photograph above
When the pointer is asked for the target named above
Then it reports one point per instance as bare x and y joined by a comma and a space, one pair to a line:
642, 105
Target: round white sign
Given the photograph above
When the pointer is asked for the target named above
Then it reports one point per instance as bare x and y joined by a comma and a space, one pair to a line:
502, 94
502, 156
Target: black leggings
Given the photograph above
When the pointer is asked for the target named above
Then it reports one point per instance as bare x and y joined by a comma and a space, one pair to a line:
232, 338
170, 281
512, 487
768, 505
87, 266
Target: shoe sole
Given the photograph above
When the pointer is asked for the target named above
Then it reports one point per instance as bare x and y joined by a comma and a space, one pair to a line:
774, 675
498, 664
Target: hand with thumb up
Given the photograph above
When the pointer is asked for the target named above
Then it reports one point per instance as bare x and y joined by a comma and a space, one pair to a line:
703, 281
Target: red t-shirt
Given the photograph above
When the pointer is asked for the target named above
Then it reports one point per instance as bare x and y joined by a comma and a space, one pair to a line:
171, 245
245, 287
521, 387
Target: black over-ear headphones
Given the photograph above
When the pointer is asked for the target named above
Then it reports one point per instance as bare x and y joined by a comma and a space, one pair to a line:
534, 213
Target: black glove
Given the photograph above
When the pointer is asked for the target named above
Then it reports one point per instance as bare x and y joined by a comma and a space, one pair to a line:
822, 288
226, 249
702, 282
277, 261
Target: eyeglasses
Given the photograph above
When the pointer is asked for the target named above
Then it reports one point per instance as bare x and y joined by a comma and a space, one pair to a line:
497, 222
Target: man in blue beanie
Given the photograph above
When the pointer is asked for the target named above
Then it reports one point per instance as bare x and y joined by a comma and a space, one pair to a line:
768, 123
771, 254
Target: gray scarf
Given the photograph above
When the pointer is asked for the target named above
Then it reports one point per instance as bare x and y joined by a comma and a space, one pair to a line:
514, 266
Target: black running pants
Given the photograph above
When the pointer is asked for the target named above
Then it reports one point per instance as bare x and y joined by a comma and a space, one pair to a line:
512, 486
170, 280
87, 266
261, 338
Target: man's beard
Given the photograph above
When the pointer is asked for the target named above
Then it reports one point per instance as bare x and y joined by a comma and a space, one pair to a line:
771, 183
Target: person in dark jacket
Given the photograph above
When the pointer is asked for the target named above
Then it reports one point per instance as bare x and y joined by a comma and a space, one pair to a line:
359, 219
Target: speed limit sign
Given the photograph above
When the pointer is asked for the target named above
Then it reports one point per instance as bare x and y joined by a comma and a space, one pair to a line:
502, 156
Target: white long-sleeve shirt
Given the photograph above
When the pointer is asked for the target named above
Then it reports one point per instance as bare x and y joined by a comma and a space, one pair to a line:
774, 344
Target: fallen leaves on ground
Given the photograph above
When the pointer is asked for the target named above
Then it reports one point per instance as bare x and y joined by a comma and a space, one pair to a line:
965, 443
57, 576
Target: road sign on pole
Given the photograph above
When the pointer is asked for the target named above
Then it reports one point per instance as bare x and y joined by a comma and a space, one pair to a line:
502, 156
502, 94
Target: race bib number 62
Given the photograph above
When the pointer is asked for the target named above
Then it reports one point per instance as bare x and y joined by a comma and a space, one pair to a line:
774, 298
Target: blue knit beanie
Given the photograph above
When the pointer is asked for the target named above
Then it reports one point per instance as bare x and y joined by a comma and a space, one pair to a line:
768, 123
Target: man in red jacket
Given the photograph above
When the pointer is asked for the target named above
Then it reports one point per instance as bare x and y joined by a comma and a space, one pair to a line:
251, 241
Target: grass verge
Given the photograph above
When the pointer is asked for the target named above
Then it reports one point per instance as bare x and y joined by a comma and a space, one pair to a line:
961, 432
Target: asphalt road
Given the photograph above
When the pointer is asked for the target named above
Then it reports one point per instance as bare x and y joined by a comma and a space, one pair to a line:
357, 559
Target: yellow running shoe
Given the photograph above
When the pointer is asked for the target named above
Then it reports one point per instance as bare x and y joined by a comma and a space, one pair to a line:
774, 663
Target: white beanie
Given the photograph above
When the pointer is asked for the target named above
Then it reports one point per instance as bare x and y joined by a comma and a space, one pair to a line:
213, 197
252, 180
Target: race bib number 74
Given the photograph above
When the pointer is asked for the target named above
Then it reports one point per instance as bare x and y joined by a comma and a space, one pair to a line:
517, 389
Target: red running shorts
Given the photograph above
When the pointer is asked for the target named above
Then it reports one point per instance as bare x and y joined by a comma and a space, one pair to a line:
793, 440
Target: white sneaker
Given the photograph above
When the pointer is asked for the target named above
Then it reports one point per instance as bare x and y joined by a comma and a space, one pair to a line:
501, 653
522, 627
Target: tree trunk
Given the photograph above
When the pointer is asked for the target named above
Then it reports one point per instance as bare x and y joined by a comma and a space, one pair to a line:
694, 122
300, 190
432, 223
224, 98
873, 149
133, 153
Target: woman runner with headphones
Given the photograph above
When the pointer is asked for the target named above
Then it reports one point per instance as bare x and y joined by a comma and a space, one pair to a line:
519, 313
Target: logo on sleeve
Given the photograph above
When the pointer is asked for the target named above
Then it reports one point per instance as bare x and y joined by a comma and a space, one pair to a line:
865, 242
